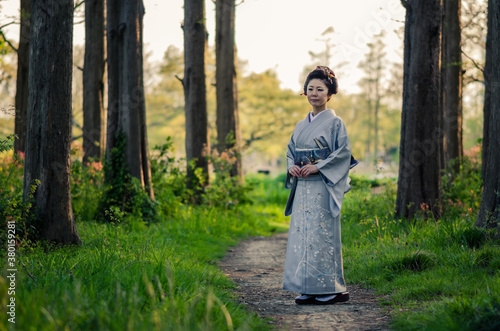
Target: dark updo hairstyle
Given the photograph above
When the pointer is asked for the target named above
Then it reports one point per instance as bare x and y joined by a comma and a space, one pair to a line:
326, 75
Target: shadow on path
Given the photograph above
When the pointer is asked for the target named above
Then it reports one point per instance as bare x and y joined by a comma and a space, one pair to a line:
256, 265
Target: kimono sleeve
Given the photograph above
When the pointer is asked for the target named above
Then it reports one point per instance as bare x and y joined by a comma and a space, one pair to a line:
290, 161
336, 167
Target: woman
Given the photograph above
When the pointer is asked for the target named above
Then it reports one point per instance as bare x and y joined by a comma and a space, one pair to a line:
318, 163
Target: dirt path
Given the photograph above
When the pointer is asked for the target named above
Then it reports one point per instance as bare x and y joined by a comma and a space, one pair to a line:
256, 265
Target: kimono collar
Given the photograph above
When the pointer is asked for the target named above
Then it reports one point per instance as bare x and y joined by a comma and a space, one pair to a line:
311, 118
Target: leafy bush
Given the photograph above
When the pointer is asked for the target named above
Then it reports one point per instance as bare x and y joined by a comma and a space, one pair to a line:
123, 192
170, 177
461, 191
224, 189
12, 205
87, 184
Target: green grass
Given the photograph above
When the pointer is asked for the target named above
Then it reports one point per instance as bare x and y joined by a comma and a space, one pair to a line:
134, 275
163, 276
431, 274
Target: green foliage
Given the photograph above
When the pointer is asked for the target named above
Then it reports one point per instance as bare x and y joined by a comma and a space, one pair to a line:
267, 113
414, 261
430, 271
461, 190
87, 184
162, 276
463, 312
7, 143
170, 179
471, 237
12, 205
123, 192
225, 190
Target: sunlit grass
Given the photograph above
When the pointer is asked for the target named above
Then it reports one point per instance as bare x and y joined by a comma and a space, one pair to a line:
428, 272
163, 275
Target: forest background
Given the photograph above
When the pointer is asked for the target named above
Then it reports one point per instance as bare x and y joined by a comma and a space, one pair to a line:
269, 100
154, 255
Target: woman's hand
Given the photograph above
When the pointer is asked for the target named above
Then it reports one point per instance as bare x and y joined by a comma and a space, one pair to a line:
308, 170
295, 171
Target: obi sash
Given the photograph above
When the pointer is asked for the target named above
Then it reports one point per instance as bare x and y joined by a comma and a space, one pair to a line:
304, 156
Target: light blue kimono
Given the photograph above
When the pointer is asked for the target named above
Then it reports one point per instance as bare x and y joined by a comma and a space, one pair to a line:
314, 252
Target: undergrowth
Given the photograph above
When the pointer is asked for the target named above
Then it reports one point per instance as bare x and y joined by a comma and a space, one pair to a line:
140, 273
143, 264
431, 274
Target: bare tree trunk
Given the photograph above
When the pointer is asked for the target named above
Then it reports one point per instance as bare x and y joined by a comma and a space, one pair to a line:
376, 116
228, 134
146, 165
114, 37
93, 80
126, 104
421, 133
197, 144
131, 93
452, 88
48, 139
487, 71
21, 99
489, 213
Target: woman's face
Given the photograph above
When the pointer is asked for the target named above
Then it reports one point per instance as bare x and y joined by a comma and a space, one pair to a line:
317, 94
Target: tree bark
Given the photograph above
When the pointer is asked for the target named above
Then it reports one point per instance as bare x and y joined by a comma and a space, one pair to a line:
146, 165
421, 133
489, 212
93, 81
126, 103
48, 139
228, 133
487, 71
21, 99
197, 143
452, 88
114, 39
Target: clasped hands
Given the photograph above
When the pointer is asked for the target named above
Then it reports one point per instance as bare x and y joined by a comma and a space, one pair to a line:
304, 171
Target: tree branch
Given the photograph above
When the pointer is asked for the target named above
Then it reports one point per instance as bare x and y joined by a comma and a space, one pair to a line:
473, 62
79, 4
180, 80
7, 41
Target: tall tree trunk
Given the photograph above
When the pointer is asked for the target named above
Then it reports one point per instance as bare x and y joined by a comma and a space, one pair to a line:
228, 134
93, 80
487, 71
21, 99
48, 139
126, 104
452, 88
114, 40
197, 144
489, 212
146, 165
376, 116
421, 133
